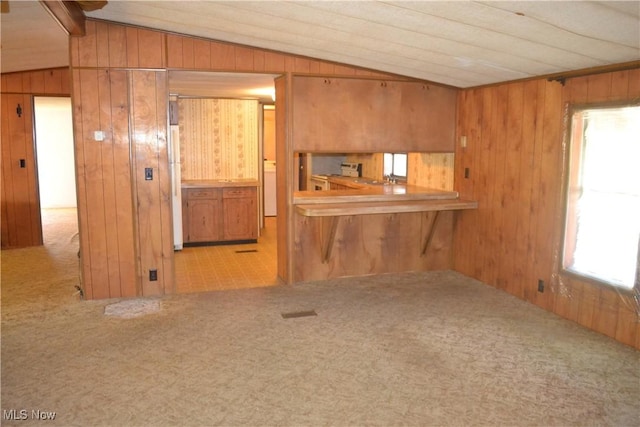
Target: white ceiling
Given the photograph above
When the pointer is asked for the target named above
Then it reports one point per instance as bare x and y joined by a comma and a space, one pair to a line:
459, 43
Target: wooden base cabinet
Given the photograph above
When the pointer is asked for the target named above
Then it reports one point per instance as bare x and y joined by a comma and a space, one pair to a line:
240, 213
219, 214
201, 213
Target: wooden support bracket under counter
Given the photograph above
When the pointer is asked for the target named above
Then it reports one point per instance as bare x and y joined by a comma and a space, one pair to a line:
332, 212
374, 230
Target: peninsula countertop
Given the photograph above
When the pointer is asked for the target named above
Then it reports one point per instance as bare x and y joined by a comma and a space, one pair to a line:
379, 192
377, 198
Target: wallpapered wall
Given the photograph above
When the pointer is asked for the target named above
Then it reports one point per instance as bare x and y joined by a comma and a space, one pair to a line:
218, 138
432, 170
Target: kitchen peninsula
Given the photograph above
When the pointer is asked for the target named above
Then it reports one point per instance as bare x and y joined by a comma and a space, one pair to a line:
372, 229
357, 226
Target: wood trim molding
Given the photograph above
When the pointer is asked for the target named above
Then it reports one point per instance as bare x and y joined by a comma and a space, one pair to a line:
68, 14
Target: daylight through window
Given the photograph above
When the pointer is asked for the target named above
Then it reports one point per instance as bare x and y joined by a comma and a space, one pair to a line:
602, 225
395, 165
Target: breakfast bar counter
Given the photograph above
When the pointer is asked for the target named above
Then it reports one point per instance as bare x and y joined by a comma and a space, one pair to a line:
373, 229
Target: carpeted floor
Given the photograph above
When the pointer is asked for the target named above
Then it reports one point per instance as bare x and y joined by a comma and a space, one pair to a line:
415, 349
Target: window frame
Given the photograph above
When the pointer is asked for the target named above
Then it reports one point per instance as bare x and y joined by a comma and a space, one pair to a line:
569, 177
400, 178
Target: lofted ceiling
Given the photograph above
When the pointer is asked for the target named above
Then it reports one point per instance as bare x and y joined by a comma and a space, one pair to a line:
458, 43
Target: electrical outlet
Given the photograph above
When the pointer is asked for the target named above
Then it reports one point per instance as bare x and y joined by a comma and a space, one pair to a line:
540, 285
153, 275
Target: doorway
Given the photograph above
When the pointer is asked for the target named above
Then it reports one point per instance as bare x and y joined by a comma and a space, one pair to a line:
56, 170
226, 265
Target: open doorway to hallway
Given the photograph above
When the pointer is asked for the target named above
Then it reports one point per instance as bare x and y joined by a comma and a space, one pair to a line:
56, 172
56, 168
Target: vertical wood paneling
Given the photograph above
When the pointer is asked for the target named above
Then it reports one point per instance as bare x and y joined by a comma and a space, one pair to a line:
6, 180
259, 61
512, 187
283, 176
517, 173
550, 186
122, 183
524, 274
151, 49
13, 83
619, 85
57, 81
244, 59
21, 208
273, 61
483, 172
188, 59
88, 46
117, 46
93, 197
462, 161
35, 82
202, 54
222, 56
634, 83
500, 240
102, 41
81, 186
109, 194
148, 92
9, 238
174, 51
132, 45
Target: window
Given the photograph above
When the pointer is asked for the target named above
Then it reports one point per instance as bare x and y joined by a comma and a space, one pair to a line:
395, 165
602, 224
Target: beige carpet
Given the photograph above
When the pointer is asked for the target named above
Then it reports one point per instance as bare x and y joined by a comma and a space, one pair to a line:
408, 349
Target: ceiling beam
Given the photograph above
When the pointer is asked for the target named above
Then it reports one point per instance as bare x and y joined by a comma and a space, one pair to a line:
68, 14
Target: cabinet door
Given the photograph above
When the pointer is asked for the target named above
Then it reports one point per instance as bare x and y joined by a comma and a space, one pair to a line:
204, 220
366, 115
240, 218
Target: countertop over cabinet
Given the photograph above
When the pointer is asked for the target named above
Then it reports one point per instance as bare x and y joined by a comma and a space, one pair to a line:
220, 183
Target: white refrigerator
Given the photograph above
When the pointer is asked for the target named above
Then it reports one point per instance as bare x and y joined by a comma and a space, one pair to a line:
176, 190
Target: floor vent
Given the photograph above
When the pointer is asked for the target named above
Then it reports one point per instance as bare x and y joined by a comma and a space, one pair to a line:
246, 251
296, 314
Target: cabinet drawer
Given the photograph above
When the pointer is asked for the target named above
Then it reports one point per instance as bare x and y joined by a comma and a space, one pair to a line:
236, 193
202, 193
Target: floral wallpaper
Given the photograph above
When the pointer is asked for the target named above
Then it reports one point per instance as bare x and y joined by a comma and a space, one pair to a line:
218, 138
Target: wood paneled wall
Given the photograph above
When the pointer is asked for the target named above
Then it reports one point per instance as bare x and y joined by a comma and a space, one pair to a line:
148, 103
20, 206
514, 160
105, 199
